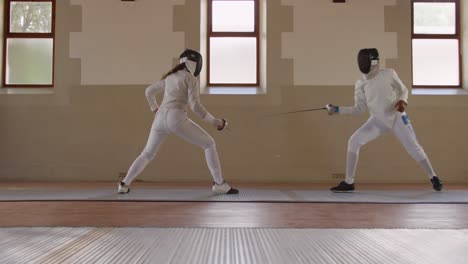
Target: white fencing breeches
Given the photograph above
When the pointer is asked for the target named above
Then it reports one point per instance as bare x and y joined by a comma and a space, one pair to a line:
373, 129
175, 121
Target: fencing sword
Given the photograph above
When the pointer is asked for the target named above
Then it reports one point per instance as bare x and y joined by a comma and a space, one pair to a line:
297, 111
230, 131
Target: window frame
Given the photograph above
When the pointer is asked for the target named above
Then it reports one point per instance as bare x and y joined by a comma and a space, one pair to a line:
21, 35
456, 36
243, 34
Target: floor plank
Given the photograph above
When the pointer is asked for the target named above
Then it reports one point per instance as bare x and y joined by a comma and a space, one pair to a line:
225, 214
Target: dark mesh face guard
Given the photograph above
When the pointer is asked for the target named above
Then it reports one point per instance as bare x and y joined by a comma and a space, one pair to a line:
195, 57
365, 58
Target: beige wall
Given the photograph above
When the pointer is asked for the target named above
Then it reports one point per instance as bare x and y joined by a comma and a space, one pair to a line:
327, 36
135, 38
93, 132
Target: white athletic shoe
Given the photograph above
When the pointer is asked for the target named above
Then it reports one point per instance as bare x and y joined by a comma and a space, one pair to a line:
123, 188
224, 188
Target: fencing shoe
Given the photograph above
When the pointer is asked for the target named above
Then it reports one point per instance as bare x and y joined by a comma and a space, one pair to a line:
223, 188
436, 183
123, 188
343, 187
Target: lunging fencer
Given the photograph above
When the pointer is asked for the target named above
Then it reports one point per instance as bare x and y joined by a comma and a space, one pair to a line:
385, 96
180, 88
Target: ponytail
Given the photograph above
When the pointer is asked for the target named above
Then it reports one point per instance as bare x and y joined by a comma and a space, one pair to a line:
174, 70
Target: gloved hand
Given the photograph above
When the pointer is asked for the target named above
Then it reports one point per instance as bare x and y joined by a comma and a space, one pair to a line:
221, 124
332, 109
401, 106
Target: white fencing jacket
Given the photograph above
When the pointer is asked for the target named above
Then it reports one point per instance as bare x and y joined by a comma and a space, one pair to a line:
378, 94
180, 88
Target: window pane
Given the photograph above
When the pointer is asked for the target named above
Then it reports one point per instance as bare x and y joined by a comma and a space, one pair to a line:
29, 61
233, 60
31, 17
435, 62
233, 16
434, 18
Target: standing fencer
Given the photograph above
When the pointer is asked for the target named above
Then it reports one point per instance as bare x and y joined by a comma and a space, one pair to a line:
386, 97
180, 88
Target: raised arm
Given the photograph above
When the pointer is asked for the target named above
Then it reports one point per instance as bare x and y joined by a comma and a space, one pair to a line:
151, 93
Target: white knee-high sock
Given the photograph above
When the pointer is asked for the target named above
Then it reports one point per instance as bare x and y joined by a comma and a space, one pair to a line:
214, 165
426, 165
351, 165
137, 167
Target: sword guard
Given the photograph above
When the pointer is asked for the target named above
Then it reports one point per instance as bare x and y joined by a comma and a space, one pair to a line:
225, 124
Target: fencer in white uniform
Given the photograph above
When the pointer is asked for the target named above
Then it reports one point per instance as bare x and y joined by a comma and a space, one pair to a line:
181, 88
385, 96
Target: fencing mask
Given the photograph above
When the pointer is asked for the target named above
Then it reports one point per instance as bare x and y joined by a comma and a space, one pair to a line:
193, 61
367, 58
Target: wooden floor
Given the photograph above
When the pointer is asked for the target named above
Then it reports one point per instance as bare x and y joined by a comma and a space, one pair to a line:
224, 214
